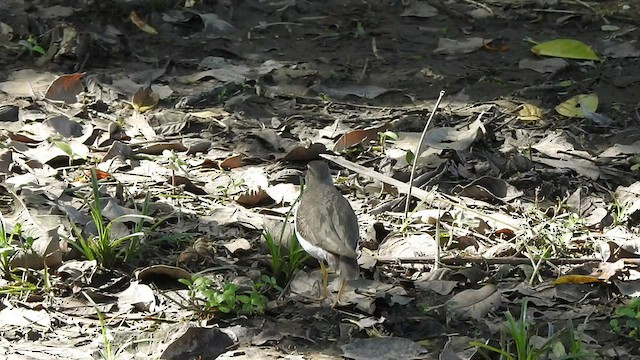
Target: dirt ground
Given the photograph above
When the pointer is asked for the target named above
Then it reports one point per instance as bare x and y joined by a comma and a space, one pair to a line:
275, 76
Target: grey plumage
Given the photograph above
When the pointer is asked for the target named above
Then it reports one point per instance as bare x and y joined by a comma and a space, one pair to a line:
326, 220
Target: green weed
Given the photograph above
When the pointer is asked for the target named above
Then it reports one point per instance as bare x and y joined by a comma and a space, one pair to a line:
627, 319
31, 44
228, 299
10, 245
284, 266
102, 247
518, 335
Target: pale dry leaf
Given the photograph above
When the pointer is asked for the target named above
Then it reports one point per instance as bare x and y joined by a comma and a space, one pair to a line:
583, 167
284, 193
27, 318
475, 303
420, 10
399, 246
237, 244
27, 83
456, 47
552, 65
113, 210
43, 229
137, 296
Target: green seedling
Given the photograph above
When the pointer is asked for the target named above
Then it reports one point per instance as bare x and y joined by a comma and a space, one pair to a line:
234, 185
360, 32
324, 98
175, 162
384, 136
10, 245
7, 249
226, 300
32, 45
627, 319
635, 161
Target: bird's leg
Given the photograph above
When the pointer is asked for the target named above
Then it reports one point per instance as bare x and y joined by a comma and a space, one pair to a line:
342, 285
324, 272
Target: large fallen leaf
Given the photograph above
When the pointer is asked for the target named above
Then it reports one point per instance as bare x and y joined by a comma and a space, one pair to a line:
488, 188
475, 304
144, 99
25, 318
43, 229
355, 137
565, 48
583, 167
213, 24
298, 152
622, 50
66, 88
399, 246
27, 83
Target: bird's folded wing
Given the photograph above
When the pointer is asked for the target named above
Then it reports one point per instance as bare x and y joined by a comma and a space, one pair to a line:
337, 226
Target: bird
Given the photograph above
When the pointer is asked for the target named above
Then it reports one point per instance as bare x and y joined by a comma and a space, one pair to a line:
326, 225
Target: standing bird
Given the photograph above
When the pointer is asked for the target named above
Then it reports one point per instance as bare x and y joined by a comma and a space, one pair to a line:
326, 226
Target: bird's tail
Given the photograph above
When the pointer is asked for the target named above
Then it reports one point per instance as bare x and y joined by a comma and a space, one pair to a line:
348, 268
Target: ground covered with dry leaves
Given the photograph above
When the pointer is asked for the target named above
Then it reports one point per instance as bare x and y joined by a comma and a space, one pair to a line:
151, 152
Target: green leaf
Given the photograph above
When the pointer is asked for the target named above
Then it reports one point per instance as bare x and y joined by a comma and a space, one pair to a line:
409, 157
39, 50
243, 299
200, 281
186, 282
565, 48
360, 32
390, 135
625, 312
247, 308
566, 83
209, 294
26, 44
572, 107
64, 147
259, 301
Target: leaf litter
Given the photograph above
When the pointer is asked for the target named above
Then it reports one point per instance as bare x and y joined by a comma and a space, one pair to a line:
198, 120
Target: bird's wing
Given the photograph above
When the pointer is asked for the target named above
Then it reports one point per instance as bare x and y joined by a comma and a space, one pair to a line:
338, 229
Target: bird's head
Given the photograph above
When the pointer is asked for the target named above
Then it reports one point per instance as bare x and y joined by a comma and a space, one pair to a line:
318, 172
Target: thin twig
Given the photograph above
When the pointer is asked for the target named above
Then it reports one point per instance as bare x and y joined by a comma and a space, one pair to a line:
417, 153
